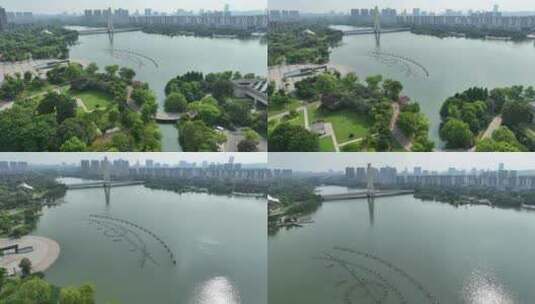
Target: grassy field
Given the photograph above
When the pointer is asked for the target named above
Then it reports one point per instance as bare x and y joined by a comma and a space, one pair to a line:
299, 120
277, 109
94, 99
345, 123
326, 144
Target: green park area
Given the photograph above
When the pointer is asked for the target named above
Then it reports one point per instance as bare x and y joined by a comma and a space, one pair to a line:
347, 125
94, 99
298, 119
278, 108
326, 144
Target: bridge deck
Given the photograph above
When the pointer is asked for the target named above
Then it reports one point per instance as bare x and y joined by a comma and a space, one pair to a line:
362, 195
372, 31
166, 117
101, 185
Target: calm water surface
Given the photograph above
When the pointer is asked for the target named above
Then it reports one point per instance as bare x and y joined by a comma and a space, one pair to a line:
218, 261
403, 250
158, 58
453, 64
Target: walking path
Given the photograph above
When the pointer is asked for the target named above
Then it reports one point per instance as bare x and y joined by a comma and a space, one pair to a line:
43, 254
405, 142
494, 125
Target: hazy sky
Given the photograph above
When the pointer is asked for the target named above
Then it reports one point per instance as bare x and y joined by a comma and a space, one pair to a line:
428, 5
169, 158
322, 162
55, 6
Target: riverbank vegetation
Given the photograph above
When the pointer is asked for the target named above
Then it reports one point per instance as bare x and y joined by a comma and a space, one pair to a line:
33, 288
22, 42
467, 115
208, 106
21, 199
296, 198
86, 110
444, 31
198, 31
360, 115
298, 43
477, 196
206, 185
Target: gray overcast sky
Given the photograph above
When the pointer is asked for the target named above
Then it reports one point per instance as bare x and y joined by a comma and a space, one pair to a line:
322, 162
169, 158
428, 5
55, 6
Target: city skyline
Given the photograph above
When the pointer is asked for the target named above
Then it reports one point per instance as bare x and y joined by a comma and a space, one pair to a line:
61, 6
319, 6
165, 158
436, 161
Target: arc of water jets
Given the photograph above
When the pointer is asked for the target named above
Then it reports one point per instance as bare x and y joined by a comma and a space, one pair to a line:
382, 282
105, 217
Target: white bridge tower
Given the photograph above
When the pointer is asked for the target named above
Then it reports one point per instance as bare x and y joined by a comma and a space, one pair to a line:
377, 26
370, 175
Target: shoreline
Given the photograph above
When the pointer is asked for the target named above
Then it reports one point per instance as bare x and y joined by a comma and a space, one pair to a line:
44, 254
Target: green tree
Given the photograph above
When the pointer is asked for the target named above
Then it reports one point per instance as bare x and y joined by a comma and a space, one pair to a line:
127, 74
290, 138
207, 109
73, 145
457, 134
392, 88
111, 70
91, 69
239, 112
247, 145
196, 136
515, 113
175, 102
148, 110
25, 267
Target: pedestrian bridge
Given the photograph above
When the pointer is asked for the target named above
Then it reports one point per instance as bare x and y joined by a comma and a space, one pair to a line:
364, 194
103, 184
166, 117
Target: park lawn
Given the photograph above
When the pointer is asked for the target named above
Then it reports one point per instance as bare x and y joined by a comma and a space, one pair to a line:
326, 144
93, 99
344, 123
277, 109
297, 121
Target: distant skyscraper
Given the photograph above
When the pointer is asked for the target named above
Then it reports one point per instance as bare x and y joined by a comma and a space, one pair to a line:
3, 19
502, 167
148, 12
496, 8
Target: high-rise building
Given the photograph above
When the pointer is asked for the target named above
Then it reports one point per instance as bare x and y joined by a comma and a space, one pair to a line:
3, 19
350, 172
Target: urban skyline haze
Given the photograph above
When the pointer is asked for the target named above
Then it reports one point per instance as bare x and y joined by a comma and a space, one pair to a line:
321, 6
167, 158
60, 6
436, 161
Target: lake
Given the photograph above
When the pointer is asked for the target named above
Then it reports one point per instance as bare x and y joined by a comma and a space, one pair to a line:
403, 250
158, 58
217, 260
452, 64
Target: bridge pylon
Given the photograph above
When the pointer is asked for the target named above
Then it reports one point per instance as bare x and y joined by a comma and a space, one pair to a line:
370, 175
107, 179
110, 25
377, 27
